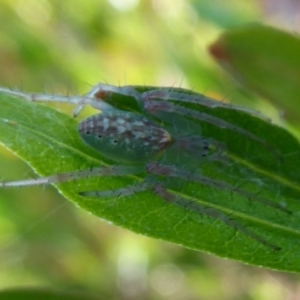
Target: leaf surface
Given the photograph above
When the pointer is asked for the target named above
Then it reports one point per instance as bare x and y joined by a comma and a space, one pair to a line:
49, 142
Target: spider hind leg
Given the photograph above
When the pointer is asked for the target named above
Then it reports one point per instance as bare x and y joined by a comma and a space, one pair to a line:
171, 171
211, 212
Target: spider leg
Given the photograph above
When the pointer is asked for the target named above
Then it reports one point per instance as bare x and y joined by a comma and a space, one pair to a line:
80, 101
194, 144
169, 94
156, 106
68, 176
200, 147
211, 212
101, 91
171, 171
122, 192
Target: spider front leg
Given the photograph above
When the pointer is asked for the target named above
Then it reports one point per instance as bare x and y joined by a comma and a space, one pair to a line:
69, 176
102, 92
154, 107
181, 95
79, 101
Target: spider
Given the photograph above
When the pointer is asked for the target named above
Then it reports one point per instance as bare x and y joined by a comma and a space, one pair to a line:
155, 133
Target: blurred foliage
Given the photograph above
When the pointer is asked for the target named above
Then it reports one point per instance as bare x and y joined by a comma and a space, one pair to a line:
37, 294
66, 46
252, 56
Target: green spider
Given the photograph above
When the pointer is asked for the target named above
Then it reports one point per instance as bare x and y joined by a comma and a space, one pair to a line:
157, 135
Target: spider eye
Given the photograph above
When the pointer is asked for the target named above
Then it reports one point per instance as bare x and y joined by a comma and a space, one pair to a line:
195, 145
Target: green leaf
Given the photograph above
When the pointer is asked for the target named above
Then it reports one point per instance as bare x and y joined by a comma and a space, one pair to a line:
267, 61
49, 142
45, 294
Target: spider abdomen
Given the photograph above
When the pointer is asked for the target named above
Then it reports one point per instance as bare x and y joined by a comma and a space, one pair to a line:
124, 136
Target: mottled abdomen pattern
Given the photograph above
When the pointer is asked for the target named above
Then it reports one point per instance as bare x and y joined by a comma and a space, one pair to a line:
124, 136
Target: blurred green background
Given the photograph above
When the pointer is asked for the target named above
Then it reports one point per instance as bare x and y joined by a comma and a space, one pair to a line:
66, 47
